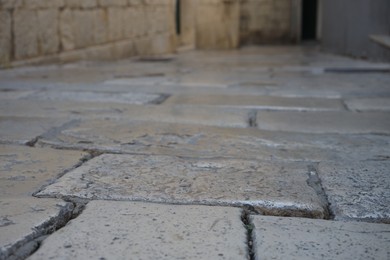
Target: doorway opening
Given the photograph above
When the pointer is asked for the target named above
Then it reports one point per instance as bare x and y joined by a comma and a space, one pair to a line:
309, 20
178, 17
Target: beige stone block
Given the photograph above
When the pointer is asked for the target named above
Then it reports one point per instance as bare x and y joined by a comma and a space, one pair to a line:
24, 170
115, 23
134, 2
26, 33
66, 30
101, 26
5, 37
34, 4
83, 27
81, 3
123, 49
48, 37
129, 22
217, 24
162, 44
110, 3
10, 4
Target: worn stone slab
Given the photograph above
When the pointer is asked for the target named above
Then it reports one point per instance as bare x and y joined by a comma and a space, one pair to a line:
258, 102
24, 170
273, 188
325, 122
226, 117
300, 238
24, 219
358, 190
368, 104
148, 231
210, 142
23, 130
89, 96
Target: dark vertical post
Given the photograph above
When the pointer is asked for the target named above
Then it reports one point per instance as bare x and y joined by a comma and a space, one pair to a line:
309, 19
178, 18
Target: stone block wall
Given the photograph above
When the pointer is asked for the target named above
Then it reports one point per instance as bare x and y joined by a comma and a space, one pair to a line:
217, 24
266, 21
37, 31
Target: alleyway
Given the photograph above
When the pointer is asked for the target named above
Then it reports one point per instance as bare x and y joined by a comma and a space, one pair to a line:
260, 153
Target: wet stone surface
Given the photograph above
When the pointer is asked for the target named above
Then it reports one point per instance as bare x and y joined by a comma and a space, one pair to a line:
270, 187
358, 190
298, 238
149, 231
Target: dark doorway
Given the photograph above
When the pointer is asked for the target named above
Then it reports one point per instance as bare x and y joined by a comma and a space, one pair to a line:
309, 19
178, 18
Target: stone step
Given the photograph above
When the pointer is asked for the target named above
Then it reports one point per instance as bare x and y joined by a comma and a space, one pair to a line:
22, 220
24, 130
24, 170
196, 141
299, 238
357, 190
217, 116
278, 188
118, 230
325, 122
257, 102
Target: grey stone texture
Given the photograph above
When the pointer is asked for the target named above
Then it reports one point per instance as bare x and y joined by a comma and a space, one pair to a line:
273, 188
298, 238
149, 231
358, 190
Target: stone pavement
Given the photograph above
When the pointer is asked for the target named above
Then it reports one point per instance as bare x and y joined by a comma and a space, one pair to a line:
260, 153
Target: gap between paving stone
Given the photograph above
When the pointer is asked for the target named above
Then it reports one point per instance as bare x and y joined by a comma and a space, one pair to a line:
31, 243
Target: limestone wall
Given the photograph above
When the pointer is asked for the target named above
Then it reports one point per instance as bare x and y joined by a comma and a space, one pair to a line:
36, 31
266, 21
39, 31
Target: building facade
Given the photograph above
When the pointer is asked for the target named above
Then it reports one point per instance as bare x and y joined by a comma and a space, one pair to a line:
53, 31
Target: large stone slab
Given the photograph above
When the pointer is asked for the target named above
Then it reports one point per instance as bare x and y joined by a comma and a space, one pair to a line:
210, 142
148, 231
24, 170
325, 122
23, 130
217, 116
89, 96
369, 104
273, 188
358, 190
24, 219
298, 238
258, 102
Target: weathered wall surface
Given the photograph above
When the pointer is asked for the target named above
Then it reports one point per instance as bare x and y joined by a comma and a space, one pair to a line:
348, 24
266, 21
217, 24
36, 31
